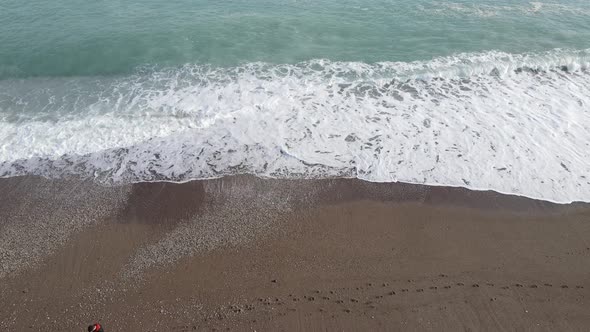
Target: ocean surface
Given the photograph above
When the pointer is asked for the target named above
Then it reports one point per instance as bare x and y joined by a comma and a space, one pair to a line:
484, 94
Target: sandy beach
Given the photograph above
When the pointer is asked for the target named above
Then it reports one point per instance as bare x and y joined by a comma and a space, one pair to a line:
263, 165
244, 254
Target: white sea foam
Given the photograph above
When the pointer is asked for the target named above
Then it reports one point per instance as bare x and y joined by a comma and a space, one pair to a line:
446, 8
512, 123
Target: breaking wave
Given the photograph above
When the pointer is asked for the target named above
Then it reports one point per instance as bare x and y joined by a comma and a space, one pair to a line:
514, 123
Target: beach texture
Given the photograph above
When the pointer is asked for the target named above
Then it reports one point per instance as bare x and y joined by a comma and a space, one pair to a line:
295, 165
252, 254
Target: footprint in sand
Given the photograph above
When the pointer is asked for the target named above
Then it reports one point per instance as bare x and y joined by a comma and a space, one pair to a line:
460, 284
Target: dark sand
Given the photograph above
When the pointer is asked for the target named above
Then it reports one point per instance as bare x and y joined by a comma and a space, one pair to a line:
248, 254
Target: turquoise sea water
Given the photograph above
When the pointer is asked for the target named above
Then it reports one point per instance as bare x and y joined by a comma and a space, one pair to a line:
110, 37
485, 94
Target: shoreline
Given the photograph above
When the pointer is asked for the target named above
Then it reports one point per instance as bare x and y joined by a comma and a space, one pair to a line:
88, 178
250, 253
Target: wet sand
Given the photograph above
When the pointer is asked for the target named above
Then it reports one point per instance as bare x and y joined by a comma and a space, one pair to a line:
243, 253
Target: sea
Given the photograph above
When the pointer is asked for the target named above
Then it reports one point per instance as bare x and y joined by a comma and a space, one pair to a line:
482, 94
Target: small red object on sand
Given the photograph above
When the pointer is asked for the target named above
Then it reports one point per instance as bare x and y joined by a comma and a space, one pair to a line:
95, 328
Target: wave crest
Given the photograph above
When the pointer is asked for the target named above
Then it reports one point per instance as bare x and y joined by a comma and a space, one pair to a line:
512, 123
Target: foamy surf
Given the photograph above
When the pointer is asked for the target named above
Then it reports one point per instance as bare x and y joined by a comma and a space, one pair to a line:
516, 124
